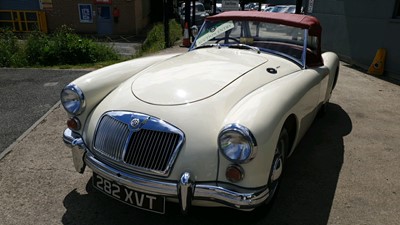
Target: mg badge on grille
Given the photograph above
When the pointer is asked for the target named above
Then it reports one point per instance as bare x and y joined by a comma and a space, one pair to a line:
135, 122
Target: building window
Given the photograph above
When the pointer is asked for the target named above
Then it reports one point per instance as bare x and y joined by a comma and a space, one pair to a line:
397, 10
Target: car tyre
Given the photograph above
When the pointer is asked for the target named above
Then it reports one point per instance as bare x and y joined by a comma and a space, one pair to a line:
276, 172
335, 79
324, 108
278, 163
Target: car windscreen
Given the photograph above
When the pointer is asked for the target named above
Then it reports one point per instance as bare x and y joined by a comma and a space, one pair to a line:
265, 36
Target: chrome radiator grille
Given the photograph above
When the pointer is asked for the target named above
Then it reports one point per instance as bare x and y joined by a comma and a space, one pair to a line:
111, 137
137, 142
151, 149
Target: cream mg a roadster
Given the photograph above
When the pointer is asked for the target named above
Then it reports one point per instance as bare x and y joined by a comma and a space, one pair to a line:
210, 127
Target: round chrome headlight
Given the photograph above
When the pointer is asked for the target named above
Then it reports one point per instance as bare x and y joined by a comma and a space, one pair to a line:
237, 143
72, 99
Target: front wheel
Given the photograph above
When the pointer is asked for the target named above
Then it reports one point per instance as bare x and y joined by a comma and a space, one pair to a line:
278, 163
335, 79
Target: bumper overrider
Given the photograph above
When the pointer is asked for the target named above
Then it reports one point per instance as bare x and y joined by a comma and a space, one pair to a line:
186, 190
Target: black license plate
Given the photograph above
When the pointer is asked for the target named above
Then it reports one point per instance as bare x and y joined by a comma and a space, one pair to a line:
131, 197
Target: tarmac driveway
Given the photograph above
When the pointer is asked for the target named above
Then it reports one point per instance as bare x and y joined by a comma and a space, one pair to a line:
26, 95
345, 171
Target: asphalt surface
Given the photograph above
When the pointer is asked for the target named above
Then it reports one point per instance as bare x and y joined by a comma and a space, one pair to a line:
26, 95
345, 170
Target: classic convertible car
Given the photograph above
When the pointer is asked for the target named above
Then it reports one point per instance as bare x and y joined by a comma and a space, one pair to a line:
209, 127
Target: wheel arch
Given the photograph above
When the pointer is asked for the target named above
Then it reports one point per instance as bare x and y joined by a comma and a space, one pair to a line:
291, 126
335, 78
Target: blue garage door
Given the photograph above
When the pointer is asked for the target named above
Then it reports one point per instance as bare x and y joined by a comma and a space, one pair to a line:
104, 20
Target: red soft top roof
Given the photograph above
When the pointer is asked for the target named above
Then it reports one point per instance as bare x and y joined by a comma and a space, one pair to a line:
295, 20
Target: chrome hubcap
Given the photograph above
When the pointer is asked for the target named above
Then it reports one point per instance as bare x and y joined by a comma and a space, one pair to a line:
276, 169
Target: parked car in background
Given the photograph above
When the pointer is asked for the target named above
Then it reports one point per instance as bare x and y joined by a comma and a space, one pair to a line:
218, 5
200, 14
269, 8
281, 9
290, 9
254, 6
211, 127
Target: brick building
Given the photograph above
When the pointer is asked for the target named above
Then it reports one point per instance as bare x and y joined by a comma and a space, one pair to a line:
103, 17
97, 16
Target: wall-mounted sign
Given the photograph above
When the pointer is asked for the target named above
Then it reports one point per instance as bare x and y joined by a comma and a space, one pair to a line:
108, 2
46, 4
85, 13
230, 5
310, 6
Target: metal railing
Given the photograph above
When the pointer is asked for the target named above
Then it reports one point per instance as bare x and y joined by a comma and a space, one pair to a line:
23, 21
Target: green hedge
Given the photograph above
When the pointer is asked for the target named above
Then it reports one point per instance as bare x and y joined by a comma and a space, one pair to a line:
64, 47
11, 51
155, 40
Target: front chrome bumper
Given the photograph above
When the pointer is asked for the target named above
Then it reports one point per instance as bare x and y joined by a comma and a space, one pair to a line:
186, 190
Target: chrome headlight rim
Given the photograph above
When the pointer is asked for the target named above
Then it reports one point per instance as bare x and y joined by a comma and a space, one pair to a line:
246, 134
74, 105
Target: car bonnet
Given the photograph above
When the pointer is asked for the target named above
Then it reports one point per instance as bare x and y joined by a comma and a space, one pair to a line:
193, 76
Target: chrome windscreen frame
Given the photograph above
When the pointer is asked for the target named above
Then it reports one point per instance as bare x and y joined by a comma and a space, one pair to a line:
305, 43
300, 62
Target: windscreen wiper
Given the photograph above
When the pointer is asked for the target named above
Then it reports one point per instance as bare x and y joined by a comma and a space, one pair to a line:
244, 46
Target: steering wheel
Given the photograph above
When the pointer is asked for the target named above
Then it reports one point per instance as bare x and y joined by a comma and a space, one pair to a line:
229, 38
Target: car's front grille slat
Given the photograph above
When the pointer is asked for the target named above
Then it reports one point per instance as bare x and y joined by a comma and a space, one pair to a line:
113, 140
152, 148
156, 157
168, 144
154, 140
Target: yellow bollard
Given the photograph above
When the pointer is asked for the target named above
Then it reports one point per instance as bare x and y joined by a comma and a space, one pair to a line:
377, 66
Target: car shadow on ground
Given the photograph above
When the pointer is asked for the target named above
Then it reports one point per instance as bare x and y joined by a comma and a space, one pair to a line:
305, 197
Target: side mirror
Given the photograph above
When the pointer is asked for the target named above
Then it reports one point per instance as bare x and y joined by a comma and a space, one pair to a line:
195, 30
